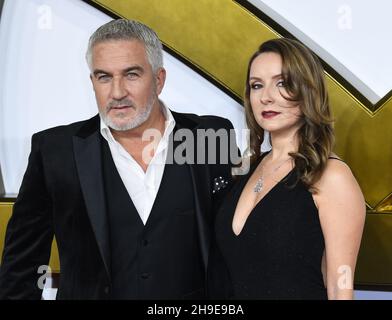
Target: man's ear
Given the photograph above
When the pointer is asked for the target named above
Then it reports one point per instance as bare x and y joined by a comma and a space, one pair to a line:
160, 79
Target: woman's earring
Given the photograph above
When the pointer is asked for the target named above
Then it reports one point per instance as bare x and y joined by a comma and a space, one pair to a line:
266, 145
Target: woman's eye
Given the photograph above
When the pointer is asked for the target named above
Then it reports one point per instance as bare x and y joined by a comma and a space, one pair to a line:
281, 83
255, 85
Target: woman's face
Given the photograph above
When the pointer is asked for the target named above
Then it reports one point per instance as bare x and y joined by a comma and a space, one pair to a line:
271, 110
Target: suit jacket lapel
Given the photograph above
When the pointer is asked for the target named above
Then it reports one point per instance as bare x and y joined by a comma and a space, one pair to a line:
201, 189
200, 181
87, 150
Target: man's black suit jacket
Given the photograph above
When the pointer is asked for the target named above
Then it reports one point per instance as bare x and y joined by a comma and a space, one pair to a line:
62, 195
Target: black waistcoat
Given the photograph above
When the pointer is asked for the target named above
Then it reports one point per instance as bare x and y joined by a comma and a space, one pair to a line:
162, 259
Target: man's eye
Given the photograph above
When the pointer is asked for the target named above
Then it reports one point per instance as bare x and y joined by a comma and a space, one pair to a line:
255, 86
132, 75
104, 78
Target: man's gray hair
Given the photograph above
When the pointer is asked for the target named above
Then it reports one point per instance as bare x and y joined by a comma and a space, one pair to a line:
123, 29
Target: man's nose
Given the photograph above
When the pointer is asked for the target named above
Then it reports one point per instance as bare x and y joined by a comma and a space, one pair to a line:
118, 90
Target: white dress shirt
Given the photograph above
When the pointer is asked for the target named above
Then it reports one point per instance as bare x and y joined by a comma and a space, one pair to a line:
142, 186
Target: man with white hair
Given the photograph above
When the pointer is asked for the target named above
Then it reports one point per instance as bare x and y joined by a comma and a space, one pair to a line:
129, 224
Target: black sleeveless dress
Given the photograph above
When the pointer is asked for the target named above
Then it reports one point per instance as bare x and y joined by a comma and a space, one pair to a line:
279, 251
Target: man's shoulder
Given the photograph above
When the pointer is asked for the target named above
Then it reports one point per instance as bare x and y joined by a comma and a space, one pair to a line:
68, 129
205, 121
217, 122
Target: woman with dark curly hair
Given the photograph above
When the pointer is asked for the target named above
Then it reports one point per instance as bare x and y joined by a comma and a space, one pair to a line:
291, 228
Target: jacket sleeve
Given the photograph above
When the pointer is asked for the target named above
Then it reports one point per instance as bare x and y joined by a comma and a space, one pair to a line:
29, 234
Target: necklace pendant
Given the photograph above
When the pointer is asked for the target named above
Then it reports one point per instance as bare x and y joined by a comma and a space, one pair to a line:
259, 186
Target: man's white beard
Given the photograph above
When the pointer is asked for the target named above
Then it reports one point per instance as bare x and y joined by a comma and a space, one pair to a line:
132, 123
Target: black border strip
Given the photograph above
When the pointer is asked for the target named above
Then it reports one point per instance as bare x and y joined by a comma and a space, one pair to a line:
176, 55
8, 198
338, 77
382, 101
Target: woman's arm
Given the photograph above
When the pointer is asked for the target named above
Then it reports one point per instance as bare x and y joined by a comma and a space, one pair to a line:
342, 211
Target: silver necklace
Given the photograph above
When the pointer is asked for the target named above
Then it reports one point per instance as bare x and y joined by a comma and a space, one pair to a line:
260, 182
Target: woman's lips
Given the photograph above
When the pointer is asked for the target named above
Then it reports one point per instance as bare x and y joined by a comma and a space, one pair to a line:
269, 114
